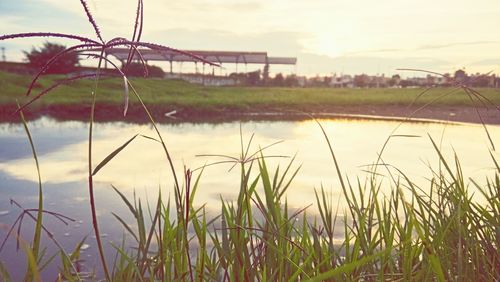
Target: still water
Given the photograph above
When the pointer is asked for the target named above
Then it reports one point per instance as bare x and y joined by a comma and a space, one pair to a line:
142, 168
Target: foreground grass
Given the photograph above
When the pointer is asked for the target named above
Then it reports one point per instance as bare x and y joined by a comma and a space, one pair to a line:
446, 231
180, 94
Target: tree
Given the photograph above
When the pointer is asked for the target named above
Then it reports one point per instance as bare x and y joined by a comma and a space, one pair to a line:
327, 80
395, 80
460, 75
279, 80
482, 80
291, 80
137, 70
361, 80
265, 73
37, 58
253, 78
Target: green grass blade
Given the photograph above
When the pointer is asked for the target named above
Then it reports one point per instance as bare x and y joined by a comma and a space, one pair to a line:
125, 225
348, 267
126, 201
38, 226
112, 155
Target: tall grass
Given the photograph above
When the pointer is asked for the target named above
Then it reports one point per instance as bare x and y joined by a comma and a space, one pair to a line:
437, 232
38, 227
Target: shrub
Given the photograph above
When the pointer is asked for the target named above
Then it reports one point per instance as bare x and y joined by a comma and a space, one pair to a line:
137, 69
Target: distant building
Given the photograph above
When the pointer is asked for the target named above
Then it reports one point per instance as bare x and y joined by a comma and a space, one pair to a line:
302, 81
341, 81
204, 79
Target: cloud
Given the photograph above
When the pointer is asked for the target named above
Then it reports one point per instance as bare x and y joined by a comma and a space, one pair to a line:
455, 44
244, 6
388, 50
210, 5
278, 43
487, 62
310, 63
423, 47
10, 23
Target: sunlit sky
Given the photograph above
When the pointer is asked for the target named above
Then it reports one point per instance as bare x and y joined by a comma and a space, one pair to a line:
327, 36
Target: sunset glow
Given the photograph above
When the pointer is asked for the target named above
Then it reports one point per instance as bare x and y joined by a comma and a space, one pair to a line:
326, 36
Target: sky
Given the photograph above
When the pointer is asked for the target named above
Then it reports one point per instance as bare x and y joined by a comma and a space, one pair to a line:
326, 36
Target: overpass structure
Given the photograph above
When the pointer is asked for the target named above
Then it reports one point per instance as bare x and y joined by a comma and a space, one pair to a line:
218, 57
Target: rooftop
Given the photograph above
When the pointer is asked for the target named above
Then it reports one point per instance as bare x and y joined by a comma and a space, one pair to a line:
219, 57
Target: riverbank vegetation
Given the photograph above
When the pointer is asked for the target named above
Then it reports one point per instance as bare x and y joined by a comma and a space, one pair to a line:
196, 101
181, 93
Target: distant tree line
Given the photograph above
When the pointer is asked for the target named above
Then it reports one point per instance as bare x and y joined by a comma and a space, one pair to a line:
256, 78
69, 62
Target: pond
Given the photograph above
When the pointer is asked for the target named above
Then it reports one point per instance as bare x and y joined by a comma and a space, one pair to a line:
142, 168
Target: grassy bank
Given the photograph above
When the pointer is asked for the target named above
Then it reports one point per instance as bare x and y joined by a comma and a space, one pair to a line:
172, 94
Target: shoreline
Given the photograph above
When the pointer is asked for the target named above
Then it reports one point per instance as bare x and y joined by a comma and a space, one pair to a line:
172, 114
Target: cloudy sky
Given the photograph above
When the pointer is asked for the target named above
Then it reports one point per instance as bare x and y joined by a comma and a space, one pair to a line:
327, 36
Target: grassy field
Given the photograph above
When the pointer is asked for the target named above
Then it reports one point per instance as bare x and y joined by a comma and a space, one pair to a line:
180, 94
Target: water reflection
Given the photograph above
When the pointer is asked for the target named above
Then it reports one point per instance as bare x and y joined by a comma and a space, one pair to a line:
142, 166
62, 148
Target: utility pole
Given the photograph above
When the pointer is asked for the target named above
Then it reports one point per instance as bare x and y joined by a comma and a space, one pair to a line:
3, 53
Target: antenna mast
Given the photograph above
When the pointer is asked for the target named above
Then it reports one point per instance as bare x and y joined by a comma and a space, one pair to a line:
3, 53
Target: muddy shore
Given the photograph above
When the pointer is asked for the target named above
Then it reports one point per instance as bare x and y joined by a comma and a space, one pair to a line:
172, 114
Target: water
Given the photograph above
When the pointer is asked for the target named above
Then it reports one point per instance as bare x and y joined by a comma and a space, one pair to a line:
142, 167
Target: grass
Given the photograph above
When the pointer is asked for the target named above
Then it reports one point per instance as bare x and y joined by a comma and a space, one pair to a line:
38, 227
180, 94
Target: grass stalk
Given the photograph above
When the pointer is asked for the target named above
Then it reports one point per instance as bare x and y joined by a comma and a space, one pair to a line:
39, 218
95, 223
